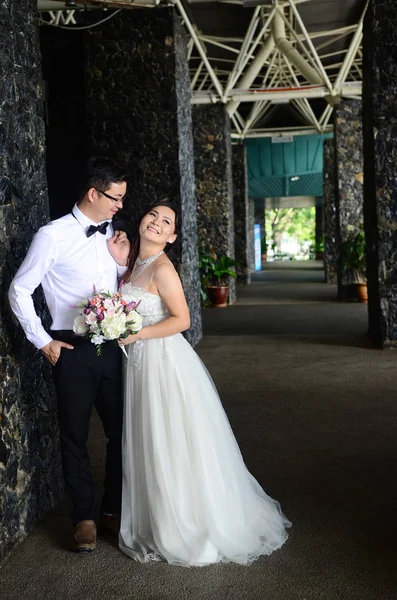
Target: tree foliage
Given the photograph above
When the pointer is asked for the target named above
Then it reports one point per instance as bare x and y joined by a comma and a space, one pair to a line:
297, 223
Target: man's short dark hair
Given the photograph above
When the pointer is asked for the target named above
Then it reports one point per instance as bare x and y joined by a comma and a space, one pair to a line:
100, 173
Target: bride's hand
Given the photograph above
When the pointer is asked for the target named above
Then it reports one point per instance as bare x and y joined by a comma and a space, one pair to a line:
134, 337
119, 247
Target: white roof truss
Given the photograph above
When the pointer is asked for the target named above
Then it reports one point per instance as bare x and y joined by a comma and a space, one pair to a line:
277, 61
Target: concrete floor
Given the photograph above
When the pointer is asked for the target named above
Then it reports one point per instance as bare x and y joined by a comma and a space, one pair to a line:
313, 406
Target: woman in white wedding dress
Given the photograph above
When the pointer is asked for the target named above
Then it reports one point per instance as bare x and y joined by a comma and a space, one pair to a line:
188, 497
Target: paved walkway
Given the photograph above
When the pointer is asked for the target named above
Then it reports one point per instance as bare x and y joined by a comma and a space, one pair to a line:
314, 409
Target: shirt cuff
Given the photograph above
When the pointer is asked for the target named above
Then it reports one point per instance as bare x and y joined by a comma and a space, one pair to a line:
41, 340
121, 270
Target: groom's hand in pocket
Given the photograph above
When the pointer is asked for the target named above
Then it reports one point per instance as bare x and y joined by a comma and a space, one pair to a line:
52, 350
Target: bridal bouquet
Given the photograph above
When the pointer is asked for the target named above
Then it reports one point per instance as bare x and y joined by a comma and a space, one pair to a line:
106, 316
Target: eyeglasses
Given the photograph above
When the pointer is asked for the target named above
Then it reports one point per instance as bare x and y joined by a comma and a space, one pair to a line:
109, 196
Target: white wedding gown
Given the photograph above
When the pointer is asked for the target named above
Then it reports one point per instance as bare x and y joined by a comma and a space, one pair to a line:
188, 497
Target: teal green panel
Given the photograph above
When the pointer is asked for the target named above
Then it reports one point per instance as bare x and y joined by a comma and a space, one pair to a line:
272, 165
289, 158
301, 147
262, 187
315, 155
266, 162
278, 159
307, 185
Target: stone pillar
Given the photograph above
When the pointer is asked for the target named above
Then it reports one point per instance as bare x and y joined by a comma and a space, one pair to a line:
251, 223
319, 230
350, 179
331, 252
138, 108
31, 478
214, 186
242, 233
380, 159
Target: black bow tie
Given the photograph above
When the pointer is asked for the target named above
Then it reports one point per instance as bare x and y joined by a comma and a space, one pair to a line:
101, 228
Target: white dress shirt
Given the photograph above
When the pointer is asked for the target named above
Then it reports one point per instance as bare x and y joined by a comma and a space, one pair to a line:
68, 265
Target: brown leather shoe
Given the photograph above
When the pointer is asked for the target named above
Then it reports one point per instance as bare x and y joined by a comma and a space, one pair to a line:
84, 538
110, 523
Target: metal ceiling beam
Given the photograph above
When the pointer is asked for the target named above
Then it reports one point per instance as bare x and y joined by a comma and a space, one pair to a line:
199, 46
275, 27
280, 132
253, 71
255, 95
353, 49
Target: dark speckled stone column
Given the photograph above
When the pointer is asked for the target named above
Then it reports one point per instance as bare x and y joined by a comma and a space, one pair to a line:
329, 213
214, 186
242, 232
139, 112
319, 225
251, 223
30, 474
380, 160
350, 178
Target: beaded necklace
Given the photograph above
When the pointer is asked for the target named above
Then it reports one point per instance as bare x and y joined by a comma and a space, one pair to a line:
140, 265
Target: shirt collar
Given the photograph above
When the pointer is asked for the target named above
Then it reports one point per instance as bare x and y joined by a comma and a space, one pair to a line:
84, 221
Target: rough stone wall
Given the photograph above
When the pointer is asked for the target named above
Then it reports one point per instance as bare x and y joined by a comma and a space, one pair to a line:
214, 186
331, 252
242, 233
319, 224
350, 179
138, 109
251, 241
30, 474
380, 159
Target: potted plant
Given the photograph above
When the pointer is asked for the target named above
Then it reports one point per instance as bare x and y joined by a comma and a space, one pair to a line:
354, 258
319, 249
214, 273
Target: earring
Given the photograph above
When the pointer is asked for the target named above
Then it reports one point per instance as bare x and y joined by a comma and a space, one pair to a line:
170, 241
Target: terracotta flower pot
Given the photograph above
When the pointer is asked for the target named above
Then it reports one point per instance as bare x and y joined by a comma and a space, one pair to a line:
217, 295
362, 292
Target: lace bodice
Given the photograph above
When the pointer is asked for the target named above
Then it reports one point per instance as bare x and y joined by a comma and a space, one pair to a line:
152, 309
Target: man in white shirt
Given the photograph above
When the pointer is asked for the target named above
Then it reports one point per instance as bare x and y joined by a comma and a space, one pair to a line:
68, 257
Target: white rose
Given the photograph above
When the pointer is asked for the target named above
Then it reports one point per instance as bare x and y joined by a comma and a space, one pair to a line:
97, 339
134, 321
108, 303
79, 325
91, 318
114, 327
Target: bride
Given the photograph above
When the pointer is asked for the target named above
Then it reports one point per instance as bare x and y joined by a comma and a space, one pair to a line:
188, 497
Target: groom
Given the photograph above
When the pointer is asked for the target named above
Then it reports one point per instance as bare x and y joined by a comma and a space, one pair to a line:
68, 257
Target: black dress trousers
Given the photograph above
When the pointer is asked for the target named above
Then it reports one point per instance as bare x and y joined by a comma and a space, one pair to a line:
83, 379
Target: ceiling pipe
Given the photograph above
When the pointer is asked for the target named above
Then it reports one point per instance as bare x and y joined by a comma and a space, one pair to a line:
278, 40
291, 53
252, 72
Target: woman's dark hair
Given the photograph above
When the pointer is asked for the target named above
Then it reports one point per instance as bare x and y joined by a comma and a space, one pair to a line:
100, 172
134, 250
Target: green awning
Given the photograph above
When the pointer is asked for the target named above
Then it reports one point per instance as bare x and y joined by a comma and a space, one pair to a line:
293, 168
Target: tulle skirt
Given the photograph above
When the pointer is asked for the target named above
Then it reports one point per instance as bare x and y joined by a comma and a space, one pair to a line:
188, 497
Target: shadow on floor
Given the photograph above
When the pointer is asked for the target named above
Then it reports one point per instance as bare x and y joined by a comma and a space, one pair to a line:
314, 410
